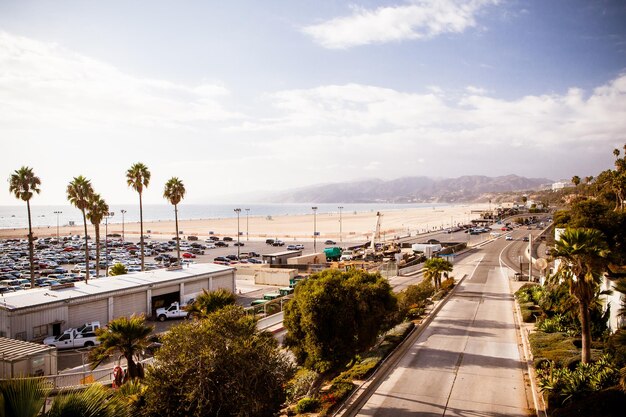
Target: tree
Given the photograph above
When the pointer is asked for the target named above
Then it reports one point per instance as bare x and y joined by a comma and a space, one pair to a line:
576, 180
118, 269
22, 397
220, 366
174, 192
335, 315
126, 335
138, 177
95, 401
23, 183
583, 261
79, 193
435, 267
96, 210
209, 302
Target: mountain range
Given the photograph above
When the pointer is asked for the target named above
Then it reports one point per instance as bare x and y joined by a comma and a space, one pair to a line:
411, 189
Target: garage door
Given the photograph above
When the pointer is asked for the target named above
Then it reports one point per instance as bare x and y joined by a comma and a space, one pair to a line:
194, 288
90, 311
129, 304
165, 290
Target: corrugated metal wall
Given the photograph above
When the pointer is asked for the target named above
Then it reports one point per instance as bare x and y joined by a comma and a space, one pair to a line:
95, 310
129, 304
26, 321
194, 288
165, 290
223, 281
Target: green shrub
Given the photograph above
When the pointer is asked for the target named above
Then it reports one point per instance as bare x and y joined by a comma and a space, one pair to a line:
553, 324
301, 384
528, 316
307, 405
563, 384
553, 347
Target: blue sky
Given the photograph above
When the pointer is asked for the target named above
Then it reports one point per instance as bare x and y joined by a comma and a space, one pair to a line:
247, 97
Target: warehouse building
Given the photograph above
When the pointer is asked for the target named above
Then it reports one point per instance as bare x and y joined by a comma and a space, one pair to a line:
34, 314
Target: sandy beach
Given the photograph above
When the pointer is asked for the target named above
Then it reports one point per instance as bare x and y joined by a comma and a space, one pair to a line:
355, 226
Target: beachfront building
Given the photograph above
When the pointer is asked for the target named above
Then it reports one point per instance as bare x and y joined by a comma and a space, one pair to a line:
34, 314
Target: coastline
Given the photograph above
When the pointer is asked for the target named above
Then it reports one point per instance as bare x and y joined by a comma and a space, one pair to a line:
354, 225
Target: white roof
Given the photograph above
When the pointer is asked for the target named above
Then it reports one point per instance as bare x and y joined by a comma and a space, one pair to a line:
38, 296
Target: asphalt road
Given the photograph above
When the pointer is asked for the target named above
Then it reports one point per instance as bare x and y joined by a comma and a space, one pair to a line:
467, 362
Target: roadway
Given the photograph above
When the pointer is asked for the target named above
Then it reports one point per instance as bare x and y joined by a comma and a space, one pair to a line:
467, 362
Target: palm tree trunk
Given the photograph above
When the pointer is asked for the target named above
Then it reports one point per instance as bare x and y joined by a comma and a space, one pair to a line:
141, 229
585, 333
177, 237
97, 227
132, 368
86, 248
31, 250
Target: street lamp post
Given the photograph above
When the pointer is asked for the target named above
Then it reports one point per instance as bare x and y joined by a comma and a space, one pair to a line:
247, 225
106, 241
238, 210
57, 213
314, 208
123, 212
340, 226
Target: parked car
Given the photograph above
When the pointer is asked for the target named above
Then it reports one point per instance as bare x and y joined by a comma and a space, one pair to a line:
278, 243
188, 255
253, 254
330, 242
221, 259
221, 244
509, 237
254, 261
232, 257
227, 239
238, 244
269, 241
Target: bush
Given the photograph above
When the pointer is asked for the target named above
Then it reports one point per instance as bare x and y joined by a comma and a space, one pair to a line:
447, 285
552, 324
414, 298
300, 385
553, 347
307, 405
563, 384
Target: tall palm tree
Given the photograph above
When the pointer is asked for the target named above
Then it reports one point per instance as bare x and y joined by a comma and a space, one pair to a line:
97, 209
583, 254
79, 192
174, 192
434, 268
126, 335
138, 177
23, 183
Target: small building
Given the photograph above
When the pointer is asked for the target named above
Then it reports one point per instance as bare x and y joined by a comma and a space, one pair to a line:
34, 314
22, 359
280, 258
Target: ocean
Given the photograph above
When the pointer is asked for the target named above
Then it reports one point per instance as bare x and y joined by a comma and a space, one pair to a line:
15, 216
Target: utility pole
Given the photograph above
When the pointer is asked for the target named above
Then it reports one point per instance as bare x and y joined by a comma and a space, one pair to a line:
123, 212
57, 213
340, 226
247, 224
238, 210
314, 208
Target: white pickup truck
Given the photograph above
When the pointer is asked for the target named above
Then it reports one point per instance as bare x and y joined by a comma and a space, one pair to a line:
72, 339
174, 311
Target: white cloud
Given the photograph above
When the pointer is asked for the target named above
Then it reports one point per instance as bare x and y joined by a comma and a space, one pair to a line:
422, 19
46, 84
475, 90
354, 110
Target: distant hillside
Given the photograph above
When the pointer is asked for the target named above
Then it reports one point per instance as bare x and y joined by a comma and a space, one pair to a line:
410, 189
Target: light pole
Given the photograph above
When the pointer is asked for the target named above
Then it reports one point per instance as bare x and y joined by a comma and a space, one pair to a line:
57, 213
238, 210
247, 224
123, 212
106, 241
314, 208
340, 226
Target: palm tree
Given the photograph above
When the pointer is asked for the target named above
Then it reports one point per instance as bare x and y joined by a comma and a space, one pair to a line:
22, 397
23, 183
138, 177
118, 269
209, 302
434, 268
79, 192
174, 192
126, 335
583, 255
576, 180
98, 208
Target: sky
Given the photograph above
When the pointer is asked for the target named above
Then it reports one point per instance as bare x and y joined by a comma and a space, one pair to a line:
242, 98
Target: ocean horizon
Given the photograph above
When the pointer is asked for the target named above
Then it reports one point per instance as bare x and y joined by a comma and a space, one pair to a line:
16, 216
